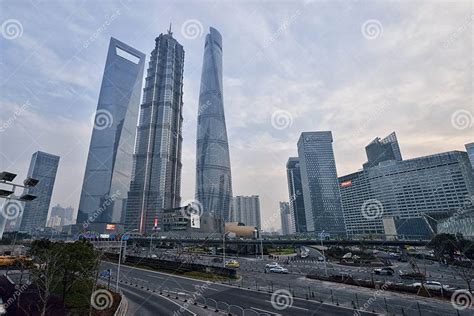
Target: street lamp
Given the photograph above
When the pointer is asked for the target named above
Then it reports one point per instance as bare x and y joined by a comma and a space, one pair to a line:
321, 236
151, 239
120, 256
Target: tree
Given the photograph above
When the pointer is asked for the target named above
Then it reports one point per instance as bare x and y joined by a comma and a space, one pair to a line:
444, 244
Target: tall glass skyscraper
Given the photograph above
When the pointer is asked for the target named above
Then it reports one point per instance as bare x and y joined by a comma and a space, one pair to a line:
43, 167
246, 209
287, 226
384, 149
321, 194
470, 153
295, 192
213, 173
109, 163
156, 180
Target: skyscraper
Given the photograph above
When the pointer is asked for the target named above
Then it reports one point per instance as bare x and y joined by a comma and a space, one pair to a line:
213, 173
295, 191
383, 150
286, 219
43, 167
109, 162
156, 179
470, 153
321, 194
246, 209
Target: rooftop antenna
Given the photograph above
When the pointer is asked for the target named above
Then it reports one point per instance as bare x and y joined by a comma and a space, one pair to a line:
169, 31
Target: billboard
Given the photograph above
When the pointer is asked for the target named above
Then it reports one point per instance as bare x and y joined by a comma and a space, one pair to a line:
195, 220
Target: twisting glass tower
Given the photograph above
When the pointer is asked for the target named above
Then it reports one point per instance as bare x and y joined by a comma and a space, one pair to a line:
156, 176
213, 174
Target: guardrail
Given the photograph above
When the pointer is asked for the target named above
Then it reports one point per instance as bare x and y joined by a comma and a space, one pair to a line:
123, 306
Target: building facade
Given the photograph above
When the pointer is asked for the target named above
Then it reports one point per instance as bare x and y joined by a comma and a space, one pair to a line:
295, 192
60, 216
246, 209
470, 153
406, 197
109, 162
156, 175
380, 150
322, 200
286, 219
213, 172
43, 167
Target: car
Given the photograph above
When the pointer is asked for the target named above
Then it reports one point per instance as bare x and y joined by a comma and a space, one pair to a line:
411, 275
432, 285
320, 259
272, 265
384, 270
232, 264
279, 270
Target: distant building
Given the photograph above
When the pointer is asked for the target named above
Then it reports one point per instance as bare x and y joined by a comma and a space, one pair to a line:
470, 153
246, 209
43, 167
286, 219
156, 176
295, 192
178, 219
109, 162
240, 230
213, 172
380, 150
61, 216
321, 195
406, 198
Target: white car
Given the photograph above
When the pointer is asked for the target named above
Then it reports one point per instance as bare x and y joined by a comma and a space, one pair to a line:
432, 285
279, 270
272, 265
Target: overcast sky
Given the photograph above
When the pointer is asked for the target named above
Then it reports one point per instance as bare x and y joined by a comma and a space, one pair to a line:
361, 69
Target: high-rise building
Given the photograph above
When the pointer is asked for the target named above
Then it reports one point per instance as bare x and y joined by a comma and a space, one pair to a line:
246, 209
62, 215
213, 173
322, 200
295, 192
406, 198
286, 219
156, 179
109, 162
380, 150
43, 167
470, 152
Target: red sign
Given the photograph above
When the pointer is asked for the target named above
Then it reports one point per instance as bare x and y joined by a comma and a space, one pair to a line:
345, 184
109, 226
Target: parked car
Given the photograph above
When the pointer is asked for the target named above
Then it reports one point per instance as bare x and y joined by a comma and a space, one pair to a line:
384, 271
232, 264
278, 270
432, 285
272, 265
411, 275
321, 259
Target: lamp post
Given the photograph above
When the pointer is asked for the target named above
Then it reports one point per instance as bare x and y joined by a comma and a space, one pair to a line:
7, 179
151, 239
321, 236
120, 257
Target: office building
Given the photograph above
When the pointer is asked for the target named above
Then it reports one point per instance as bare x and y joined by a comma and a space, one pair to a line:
380, 150
43, 167
156, 175
61, 216
407, 197
295, 192
470, 153
286, 219
322, 200
246, 209
109, 162
213, 173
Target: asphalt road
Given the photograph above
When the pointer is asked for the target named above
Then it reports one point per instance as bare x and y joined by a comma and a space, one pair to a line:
138, 283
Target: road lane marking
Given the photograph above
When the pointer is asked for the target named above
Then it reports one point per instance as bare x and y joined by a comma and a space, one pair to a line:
265, 311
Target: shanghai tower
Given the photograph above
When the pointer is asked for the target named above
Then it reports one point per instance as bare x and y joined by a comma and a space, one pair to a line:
213, 173
156, 175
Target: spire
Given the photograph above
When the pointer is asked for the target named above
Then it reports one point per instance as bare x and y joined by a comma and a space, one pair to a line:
169, 31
